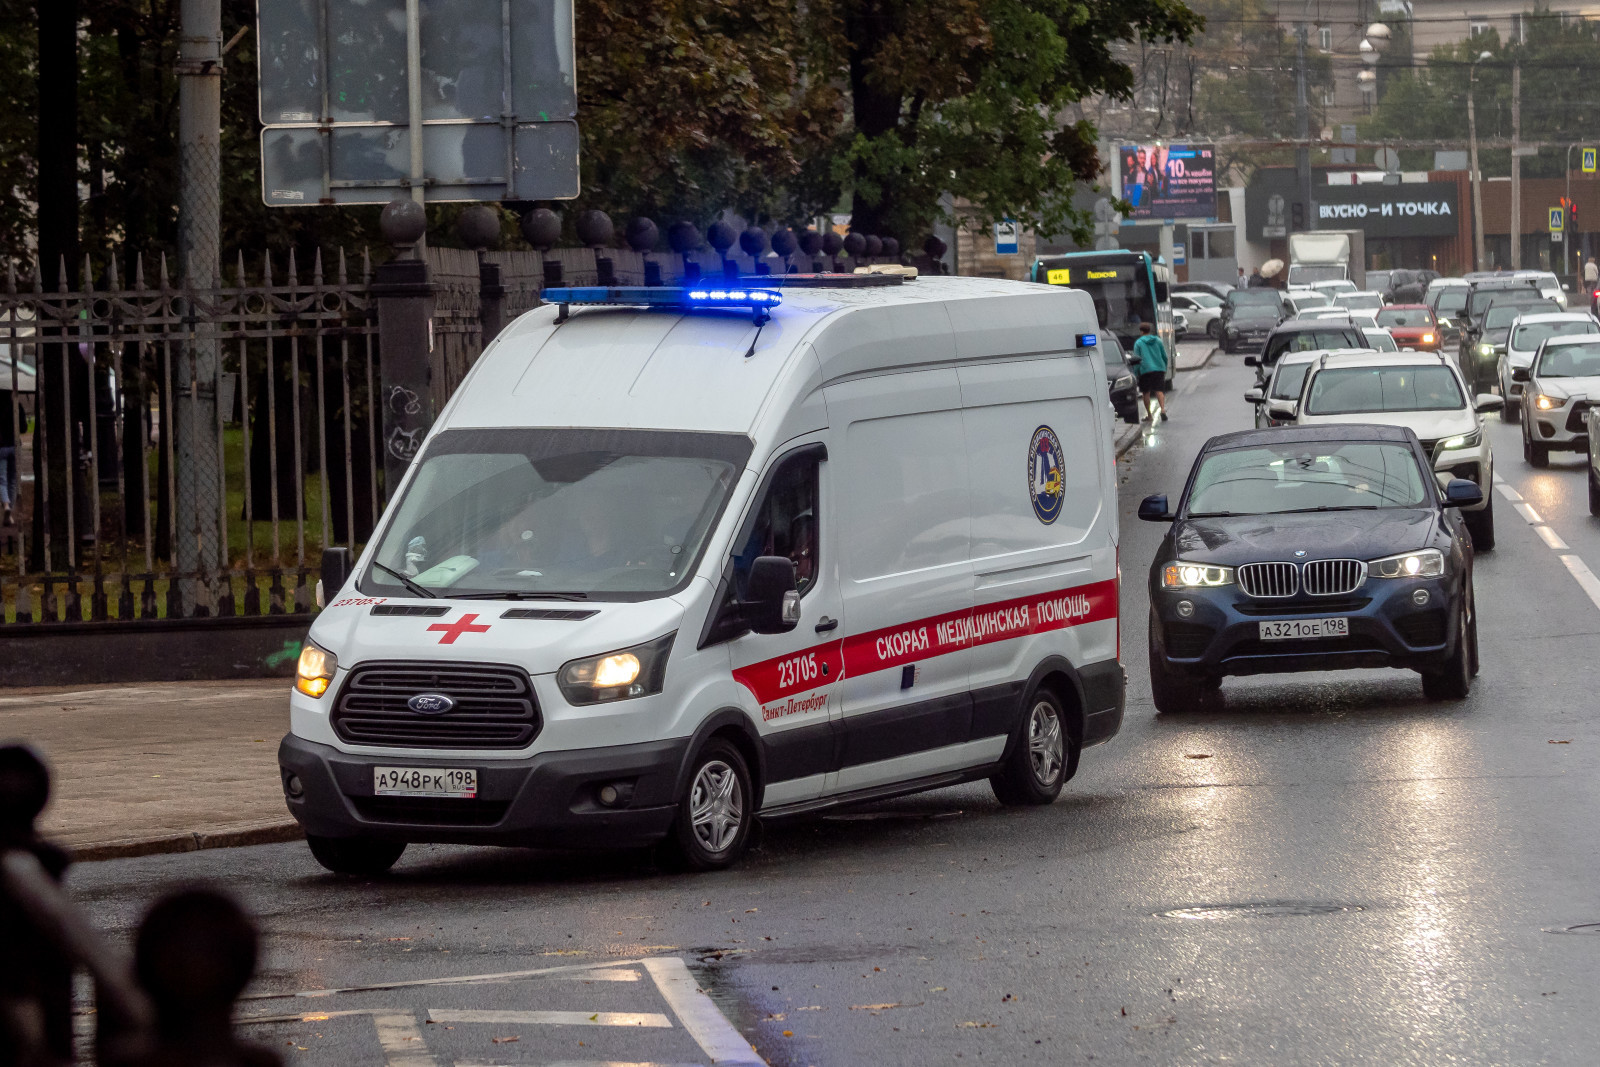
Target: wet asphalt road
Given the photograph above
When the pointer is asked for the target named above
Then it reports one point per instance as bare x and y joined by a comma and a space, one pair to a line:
1329, 871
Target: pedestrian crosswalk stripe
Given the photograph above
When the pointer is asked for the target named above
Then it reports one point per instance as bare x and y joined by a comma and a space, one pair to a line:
699, 1014
548, 1018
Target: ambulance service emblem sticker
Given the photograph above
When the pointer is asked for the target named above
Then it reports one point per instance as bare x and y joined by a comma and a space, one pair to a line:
1045, 462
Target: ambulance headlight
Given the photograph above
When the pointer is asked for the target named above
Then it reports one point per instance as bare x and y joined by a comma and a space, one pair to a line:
314, 673
621, 675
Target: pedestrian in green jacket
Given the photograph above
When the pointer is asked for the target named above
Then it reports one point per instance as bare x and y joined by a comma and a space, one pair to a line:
1152, 369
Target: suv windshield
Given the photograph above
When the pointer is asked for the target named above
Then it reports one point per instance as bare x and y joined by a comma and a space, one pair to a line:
1361, 301
1529, 335
1356, 390
1571, 361
1312, 340
1479, 299
1404, 317
1450, 300
1111, 352
616, 514
1254, 298
1499, 318
1306, 476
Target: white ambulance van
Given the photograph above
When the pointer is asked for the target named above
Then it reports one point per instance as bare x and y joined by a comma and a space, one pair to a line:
671, 560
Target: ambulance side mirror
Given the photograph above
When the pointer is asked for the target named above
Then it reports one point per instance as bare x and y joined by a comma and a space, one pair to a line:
771, 603
336, 567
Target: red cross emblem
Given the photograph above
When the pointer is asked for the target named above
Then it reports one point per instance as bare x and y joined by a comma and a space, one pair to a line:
453, 630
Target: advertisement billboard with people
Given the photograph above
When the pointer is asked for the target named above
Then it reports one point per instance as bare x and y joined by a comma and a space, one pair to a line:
1169, 181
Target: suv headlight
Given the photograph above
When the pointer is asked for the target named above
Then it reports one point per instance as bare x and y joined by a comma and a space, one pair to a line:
1548, 403
314, 673
1428, 563
1181, 575
622, 675
1486, 349
1462, 440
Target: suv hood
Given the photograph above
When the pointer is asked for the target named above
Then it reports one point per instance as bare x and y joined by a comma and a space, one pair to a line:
1427, 425
349, 629
1364, 535
1567, 388
1254, 313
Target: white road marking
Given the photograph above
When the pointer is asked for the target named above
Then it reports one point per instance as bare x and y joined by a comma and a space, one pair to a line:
549, 1018
401, 1039
699, 1014
1506, 491
571, 970
1585, 577
1551, 538
578, 1063
1527, 512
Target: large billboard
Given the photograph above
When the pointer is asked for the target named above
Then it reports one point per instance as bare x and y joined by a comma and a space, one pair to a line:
1170, 181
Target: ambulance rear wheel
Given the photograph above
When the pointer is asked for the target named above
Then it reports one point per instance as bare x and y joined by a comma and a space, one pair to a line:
715, 812
1043, 756
355, 855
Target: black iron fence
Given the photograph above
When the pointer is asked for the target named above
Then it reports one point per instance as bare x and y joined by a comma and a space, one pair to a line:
188, 452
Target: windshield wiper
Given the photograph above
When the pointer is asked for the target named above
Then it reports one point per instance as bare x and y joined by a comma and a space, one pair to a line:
517, 594
407, 582
1215, 514
1331, 507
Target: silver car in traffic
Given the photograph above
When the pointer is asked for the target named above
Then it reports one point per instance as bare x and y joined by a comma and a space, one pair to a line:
1556, 397
1528, 332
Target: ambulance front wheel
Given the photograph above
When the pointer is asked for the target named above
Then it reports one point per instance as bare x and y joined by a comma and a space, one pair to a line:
355, 855
1043, 756
715, 812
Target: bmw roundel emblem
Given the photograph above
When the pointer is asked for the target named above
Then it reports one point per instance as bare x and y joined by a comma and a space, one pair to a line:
1299, 551
430, 703
1046, 466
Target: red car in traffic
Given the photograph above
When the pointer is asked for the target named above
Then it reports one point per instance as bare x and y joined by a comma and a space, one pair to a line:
1412, 325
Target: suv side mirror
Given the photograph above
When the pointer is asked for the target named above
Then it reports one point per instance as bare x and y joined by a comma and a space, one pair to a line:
1283, 410
1251, 361
1490, 402
771, 603
336, 568
1254, 396
1154, 509
1462, 493
1519, 374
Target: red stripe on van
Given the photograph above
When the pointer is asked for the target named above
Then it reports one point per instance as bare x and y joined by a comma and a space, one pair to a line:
816, 669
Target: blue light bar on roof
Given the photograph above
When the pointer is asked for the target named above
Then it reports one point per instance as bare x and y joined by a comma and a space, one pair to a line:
725, 296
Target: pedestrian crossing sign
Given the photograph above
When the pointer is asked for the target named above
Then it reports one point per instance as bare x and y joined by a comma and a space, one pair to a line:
1588, 160
1558, 220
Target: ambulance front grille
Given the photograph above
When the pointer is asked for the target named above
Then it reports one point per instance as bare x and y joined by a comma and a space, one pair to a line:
494, 706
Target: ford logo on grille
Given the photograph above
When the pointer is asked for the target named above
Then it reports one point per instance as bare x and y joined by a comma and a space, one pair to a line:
430, 703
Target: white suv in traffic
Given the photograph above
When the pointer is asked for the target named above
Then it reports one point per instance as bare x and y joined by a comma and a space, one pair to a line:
1562, 384
1528, 332
1425, 393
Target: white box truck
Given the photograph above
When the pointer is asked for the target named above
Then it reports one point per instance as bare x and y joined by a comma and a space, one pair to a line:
1328, 255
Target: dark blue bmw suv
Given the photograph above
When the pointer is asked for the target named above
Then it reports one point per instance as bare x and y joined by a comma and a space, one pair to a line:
1311, 548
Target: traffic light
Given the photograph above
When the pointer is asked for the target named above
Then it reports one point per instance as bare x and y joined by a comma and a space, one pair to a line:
1297, 216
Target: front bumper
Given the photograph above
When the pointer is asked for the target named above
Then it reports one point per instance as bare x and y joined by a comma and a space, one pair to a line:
549, 800
1565, 428
1252, 337
1388, 628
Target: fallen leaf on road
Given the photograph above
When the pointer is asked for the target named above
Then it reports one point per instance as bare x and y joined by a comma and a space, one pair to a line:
1568, 741
504, 1040
977, 1026
788, 1033
1197, 755
875, 1008
812, 1007
751, 911
938, 989
776, 1016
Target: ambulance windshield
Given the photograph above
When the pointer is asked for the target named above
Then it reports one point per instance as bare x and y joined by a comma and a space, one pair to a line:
608, 514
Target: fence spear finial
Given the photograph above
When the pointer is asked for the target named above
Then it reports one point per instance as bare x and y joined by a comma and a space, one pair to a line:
166, 281
61, 273
138, 271
266, 269
343, 276
316, 268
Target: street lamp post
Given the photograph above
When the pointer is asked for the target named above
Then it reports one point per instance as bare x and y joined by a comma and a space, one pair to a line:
1476, 176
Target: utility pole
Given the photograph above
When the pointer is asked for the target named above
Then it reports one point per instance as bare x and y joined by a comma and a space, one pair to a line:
1302, 119
1476, 176
198, 459
1516, 166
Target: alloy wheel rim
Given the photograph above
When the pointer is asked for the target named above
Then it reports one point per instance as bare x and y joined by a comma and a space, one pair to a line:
1044, 743
716, 806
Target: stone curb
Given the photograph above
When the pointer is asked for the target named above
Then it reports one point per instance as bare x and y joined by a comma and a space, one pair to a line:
265, 833
1202, 364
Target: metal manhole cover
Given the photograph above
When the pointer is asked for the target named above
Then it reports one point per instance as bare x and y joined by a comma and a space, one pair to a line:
1576, 928
1267, 909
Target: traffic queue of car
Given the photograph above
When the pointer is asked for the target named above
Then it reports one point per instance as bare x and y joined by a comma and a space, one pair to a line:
1341, 531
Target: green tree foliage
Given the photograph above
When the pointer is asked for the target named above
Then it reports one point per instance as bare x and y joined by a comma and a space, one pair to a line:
18, 133
967, 97
1559, 64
